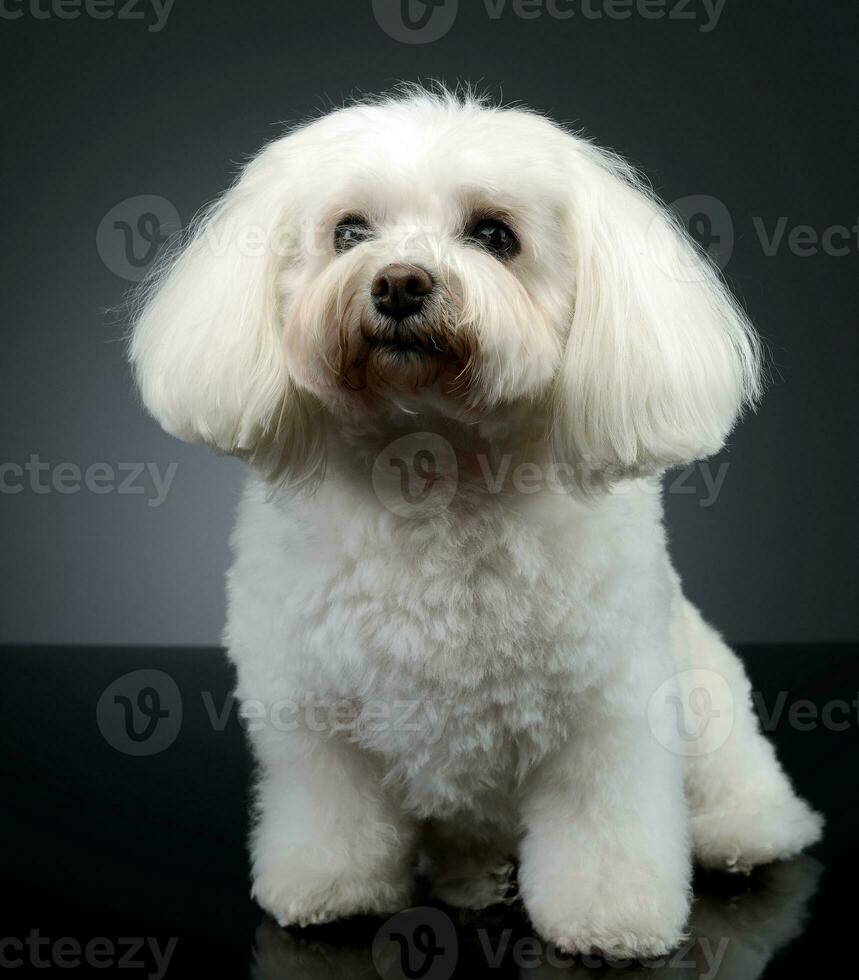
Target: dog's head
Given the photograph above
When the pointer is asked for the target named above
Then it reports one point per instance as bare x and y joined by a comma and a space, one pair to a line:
432, 253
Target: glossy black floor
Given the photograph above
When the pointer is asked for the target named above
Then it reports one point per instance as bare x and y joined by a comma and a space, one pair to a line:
123, 846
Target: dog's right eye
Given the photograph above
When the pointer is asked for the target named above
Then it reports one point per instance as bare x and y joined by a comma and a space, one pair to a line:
350, 231
496, 237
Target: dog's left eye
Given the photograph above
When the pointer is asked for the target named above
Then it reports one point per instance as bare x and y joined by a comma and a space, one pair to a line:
495, 237
350, 231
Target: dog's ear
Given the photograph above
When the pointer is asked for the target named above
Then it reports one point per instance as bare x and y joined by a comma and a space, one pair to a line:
207, 343
660, 359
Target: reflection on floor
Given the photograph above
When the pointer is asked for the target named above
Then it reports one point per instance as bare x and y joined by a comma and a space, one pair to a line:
738, 924
104, 842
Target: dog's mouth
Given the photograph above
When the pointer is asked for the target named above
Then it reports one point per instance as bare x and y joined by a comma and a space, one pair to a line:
404, 339
414, 352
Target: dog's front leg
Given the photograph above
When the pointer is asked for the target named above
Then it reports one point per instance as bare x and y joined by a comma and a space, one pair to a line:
328, 842
605, 863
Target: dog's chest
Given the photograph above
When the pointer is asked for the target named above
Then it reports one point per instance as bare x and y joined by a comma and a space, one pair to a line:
450, 747
465, 648
458, 649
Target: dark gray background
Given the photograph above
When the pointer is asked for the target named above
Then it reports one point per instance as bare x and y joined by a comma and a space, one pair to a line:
758, 112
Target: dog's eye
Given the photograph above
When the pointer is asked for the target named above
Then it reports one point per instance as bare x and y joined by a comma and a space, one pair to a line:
350, 231
495, 237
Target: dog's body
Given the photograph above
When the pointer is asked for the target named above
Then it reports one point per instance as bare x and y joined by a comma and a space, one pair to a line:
497, 648
435, 653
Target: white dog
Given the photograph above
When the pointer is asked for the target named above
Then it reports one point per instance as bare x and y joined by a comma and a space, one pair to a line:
411, 316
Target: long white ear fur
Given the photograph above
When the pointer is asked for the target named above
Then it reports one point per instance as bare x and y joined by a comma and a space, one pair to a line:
207, 347
660, 358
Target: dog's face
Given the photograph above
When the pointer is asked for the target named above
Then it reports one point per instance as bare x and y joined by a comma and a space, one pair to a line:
434, 255
431, 263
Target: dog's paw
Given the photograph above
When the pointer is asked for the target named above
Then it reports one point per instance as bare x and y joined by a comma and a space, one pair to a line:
739, 838
477, 889
313, 899
630, 916
618, 945
631, 936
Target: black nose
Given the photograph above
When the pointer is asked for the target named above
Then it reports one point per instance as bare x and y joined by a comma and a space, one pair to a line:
399, 290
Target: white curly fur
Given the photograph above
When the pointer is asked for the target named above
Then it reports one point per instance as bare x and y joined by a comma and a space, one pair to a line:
498, 677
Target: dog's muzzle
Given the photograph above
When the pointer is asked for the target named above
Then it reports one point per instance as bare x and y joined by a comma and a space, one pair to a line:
406, 336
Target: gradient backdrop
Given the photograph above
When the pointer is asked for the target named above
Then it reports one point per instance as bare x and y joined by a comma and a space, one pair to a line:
118, 128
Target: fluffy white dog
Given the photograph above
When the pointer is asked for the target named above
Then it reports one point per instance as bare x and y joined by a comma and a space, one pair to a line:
458, 345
